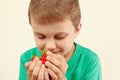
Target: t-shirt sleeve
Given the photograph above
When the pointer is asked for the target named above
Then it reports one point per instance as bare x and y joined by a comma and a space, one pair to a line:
23, 71
93, 68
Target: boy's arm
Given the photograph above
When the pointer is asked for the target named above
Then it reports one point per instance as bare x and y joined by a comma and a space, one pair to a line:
23, 71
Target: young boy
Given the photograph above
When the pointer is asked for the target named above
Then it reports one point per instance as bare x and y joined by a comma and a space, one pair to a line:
55, 24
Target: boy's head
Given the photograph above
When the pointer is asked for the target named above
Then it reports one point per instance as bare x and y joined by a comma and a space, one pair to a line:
52, 11
55, 24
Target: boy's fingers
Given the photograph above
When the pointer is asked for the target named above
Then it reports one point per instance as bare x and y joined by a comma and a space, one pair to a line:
32, 66
42, 73
46, 75
65, 67
36, 70
55, 69
58, 60
53, 76
27, 64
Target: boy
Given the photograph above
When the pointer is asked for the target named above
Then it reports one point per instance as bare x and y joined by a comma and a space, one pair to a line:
55, 24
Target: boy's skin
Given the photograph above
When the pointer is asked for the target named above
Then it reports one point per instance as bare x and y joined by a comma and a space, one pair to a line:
58, 39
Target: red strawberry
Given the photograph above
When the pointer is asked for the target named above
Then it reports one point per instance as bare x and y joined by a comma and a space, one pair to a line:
43, 58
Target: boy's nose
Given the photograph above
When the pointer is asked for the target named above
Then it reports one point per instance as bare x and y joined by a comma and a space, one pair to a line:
50, 45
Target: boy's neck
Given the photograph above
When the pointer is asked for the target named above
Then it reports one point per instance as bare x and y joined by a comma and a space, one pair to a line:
68, 55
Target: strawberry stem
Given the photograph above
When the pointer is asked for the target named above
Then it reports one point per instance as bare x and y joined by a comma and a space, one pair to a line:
44, 51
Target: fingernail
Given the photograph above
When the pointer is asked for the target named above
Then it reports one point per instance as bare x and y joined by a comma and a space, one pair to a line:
39, 62
36, 58
48, 57
46, 63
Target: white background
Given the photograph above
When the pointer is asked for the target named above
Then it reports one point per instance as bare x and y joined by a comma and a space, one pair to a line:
100, 32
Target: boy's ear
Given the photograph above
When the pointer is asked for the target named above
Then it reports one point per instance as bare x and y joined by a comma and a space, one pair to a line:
78, 28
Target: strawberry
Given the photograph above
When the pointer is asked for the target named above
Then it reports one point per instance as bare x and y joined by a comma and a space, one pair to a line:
43, 58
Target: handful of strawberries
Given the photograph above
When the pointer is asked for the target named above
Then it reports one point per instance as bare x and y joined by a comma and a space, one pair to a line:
42, 58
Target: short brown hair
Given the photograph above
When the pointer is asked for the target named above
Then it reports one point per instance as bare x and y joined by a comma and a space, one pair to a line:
50, 11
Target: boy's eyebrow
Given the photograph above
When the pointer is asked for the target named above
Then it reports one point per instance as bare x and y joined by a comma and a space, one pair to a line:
59, 33
38, 33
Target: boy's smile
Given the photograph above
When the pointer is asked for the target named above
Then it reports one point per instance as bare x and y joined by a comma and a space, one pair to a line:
57, 37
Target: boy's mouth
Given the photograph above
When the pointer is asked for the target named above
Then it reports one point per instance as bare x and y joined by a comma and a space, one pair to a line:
57, 52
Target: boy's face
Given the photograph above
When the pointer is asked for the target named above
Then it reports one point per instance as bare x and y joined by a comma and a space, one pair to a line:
57, 37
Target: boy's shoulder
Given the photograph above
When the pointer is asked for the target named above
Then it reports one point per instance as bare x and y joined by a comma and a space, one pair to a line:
86, 52
29, 53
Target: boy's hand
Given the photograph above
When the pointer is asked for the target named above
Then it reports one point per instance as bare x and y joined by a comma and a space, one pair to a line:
56, 66
54, 69
36, 70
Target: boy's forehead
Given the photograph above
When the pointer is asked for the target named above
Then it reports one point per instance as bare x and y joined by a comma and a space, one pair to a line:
48, 21
65, 26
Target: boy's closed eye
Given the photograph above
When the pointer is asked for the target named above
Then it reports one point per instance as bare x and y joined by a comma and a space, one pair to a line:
59, 37
41, 37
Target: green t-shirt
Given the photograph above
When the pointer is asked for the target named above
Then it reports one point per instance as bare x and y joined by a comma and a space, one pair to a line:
83, 65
